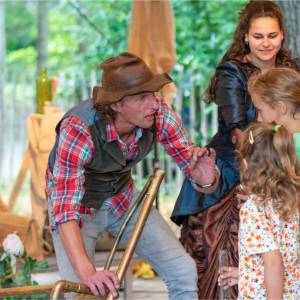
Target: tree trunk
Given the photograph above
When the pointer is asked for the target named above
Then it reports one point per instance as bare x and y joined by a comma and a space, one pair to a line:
42, 34
2, 57
291, 10
2, 74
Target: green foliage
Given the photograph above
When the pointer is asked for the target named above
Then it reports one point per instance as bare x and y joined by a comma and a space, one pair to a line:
22, 59
204, 31
11, 273
84, 33
21, 24
88, 32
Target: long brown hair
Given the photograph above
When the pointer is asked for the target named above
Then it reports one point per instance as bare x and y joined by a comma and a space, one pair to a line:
272, 172
278, 84
238, 49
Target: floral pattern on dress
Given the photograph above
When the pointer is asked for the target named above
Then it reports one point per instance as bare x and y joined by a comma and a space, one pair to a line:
261, 230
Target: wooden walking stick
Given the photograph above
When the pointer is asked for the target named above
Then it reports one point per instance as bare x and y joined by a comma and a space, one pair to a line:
145, 210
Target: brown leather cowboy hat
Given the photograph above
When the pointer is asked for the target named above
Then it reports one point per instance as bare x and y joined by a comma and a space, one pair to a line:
124, 75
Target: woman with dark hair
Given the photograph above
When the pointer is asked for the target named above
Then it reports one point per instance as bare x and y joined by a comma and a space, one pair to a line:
210, 221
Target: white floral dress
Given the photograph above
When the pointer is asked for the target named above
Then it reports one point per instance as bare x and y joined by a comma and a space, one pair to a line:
262, 231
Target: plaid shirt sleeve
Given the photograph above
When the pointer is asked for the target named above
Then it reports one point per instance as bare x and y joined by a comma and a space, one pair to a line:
65, 185
173, 136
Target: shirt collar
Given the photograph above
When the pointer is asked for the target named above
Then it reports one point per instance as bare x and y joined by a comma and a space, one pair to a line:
112, 134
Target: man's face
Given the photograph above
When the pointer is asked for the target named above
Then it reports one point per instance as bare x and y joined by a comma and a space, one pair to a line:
137, 110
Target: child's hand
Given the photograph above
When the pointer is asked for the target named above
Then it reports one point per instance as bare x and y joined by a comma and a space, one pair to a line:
228, 276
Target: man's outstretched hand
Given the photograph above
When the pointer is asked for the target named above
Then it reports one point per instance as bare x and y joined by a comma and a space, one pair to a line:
202, 167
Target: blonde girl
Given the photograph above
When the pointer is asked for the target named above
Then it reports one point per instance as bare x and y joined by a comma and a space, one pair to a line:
276, 96
269, 266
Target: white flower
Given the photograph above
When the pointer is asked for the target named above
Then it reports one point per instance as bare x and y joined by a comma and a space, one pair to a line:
13, 245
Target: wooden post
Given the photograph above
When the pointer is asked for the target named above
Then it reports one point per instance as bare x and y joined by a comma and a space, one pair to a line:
20, 179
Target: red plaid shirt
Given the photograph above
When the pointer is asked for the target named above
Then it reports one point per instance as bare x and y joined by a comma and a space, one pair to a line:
65, 183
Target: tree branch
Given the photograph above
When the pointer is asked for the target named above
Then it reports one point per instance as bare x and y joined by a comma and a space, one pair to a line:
86, 18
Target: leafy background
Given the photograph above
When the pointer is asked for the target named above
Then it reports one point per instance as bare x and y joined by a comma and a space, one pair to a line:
83, 33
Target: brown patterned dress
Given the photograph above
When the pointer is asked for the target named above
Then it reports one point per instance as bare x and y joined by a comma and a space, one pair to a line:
204, 235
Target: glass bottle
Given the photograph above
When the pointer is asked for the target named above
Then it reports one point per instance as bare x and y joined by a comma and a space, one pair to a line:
225, 290
43, 91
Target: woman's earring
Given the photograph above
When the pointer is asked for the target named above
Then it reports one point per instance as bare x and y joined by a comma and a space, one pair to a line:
246, 43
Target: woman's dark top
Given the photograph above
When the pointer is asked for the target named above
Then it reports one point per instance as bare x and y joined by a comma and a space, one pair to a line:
235, 110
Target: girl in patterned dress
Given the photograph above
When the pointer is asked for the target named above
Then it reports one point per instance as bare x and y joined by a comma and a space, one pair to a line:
276, 96
269, 245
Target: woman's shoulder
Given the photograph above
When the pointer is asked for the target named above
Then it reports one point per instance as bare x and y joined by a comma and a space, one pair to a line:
230, 65
236, 68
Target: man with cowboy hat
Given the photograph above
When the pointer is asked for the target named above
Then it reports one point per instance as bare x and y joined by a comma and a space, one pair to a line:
89, 183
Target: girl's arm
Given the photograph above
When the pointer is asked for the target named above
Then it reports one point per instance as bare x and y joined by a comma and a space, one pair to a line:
274, 272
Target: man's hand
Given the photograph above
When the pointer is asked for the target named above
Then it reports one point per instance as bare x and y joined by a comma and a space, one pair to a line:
202, 166
98, 281
102, 281
228, 276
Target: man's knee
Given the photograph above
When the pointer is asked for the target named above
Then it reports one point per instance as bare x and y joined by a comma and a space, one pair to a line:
183, 273
182, 282
187, 269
